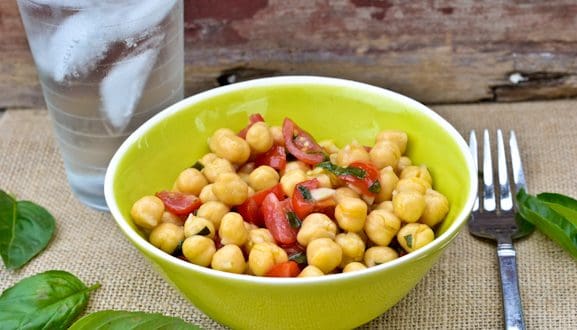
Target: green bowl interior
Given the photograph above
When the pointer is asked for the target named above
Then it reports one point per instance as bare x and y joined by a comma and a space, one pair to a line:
154, 160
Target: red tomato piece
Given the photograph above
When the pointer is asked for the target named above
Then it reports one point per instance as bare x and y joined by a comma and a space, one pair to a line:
301, 144
369, 185
303, 204
275, 157
275, 219
178, 203
254, 118
284, 269
250, 210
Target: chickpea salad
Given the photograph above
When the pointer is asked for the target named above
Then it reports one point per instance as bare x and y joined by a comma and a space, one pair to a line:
272, 201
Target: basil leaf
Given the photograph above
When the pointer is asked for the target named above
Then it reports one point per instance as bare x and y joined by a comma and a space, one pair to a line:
550, 222
25, 230
49, 300
123, 320
409, 239
564, 205
300, 258
339, 171
293, 220
306, 193
375, 187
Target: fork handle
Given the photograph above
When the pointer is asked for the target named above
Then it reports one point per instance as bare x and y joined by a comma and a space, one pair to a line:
510, 287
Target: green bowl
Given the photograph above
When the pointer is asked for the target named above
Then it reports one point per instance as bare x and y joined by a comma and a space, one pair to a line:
151, 158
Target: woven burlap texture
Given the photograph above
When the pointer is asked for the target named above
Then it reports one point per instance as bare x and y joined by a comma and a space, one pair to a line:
460, 292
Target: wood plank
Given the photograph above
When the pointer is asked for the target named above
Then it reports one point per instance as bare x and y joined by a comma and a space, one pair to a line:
434, 51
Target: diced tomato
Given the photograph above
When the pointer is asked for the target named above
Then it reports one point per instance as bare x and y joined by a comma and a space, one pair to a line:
369, 184
275, 157
284, 269
276, 221
254, 118
178, 203
250, 210
301, 144
303, 204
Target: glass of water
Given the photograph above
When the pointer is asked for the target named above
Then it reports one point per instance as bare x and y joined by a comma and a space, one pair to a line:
105, 67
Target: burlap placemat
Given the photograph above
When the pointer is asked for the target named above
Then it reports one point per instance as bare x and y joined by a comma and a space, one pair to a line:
460, 292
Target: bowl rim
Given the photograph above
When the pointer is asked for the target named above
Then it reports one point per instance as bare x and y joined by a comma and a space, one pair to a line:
292, 80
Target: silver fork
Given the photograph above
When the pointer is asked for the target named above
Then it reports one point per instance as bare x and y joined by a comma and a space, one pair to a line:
496, 219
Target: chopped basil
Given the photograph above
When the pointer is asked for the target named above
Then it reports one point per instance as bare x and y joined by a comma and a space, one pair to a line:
204, 231
375, 187
294, 221
299, 258
409, 239
306, 193
178, 250
198, 165
338, 170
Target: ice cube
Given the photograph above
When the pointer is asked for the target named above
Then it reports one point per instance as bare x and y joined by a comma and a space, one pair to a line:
122, 87
84, 38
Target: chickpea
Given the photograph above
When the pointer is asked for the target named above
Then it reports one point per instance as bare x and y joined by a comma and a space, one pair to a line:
382, 226
206, 194
147, 212
198, 250
259, 138
230, 189
326, 180
352, 152
245, 170
195, 225
345, 192
353, 267
403, 162
263, 256
258, 235
413, 236
167, 237
325, 254
263, 177
377, 255
229, 258
388, 180
385, 153
232, 229
436, 208
316, 225
277, 136
190, 181
408, 205
421, 172
226, 144
311, 271
412, 184
400, 138
352, 246
351, 213
207, 158
296, 165
216, 167
329, 146
386, 205
290, 179
213, 211
168, 217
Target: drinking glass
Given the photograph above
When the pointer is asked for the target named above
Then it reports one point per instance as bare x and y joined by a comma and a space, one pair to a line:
105, 67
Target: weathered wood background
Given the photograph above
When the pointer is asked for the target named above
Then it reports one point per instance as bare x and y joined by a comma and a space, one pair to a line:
434, 51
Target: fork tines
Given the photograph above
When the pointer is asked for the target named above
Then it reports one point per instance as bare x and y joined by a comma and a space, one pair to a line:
488, 190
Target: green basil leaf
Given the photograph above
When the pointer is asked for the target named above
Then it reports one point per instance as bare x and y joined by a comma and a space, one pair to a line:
306, 193
293, 220
340, 171
123, 320
300, 258
564, 205
547, 220
49, 300
25, 230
